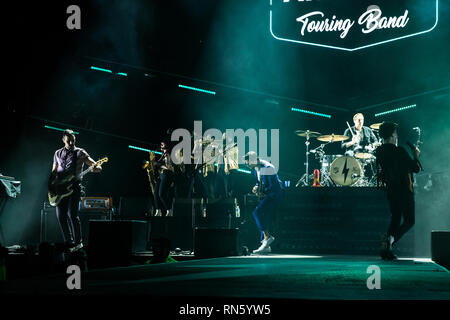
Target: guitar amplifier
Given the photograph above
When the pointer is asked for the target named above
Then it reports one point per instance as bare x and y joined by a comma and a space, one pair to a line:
96, 204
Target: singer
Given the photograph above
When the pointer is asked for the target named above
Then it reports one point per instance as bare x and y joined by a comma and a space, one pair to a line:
395, 170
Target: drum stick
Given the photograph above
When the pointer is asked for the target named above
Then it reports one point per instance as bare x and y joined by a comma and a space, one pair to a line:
350, 128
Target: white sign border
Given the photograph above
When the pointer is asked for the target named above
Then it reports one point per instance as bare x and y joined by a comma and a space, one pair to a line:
358, 48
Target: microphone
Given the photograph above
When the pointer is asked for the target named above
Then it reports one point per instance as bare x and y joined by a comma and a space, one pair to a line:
410, 145
145, 164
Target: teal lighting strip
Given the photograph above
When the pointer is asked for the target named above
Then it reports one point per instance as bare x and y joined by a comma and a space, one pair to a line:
109, 71
196, 89
142, 149
311, 112
58, 129
101, 69
395, 110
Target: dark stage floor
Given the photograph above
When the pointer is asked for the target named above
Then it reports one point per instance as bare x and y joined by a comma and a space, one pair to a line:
271, 276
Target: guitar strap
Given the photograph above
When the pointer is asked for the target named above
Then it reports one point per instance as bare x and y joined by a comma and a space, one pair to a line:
77, 183
74, 161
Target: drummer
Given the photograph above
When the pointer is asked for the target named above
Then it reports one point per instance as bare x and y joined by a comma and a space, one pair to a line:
363, 140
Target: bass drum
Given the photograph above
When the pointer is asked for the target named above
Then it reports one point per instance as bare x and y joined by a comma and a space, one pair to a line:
327, 160
345, 171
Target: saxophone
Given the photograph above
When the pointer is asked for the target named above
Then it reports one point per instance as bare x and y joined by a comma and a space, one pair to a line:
152, 172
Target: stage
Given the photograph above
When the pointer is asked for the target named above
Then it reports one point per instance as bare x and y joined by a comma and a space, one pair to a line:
274, 276
149, 147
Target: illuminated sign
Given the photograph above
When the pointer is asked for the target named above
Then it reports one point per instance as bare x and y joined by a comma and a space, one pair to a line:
349, 25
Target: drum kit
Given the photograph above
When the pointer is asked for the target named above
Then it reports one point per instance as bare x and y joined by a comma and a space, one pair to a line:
355, 168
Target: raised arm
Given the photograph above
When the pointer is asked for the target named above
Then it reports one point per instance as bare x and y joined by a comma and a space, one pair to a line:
91, 163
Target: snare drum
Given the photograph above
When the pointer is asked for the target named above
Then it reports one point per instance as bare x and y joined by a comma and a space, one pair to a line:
345, 170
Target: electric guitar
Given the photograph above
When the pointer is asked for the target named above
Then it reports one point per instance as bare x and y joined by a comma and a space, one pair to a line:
260, 192
61, 185
413, 148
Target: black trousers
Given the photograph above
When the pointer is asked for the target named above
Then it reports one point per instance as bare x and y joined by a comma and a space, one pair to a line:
69, 221
198, 187
402, 207
163, 192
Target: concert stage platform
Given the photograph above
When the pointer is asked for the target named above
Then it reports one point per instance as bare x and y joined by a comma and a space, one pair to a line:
262, 277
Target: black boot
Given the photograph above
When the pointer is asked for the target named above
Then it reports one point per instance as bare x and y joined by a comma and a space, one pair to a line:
386, 250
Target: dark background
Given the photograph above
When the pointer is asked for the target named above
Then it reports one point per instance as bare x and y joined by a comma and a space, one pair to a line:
223, 46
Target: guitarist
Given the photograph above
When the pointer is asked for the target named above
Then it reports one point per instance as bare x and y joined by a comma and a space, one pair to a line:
163, 189
70, 160
395, 170
270, 190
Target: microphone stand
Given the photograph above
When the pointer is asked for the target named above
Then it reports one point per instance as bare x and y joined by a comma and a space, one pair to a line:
194, 171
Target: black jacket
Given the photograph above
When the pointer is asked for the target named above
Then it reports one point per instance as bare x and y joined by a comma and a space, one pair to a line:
368, 137
395, 168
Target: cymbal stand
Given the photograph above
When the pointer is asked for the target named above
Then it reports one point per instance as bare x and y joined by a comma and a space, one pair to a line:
325, 179
305, 178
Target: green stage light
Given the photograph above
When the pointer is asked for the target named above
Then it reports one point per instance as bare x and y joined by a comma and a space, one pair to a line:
196, 89
395, 110
58, 129
311, 112
142, 149
244, 171
101, 69
122, 74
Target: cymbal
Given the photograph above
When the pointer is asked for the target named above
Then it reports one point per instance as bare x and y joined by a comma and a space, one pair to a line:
332, 138
303, 133
376, 126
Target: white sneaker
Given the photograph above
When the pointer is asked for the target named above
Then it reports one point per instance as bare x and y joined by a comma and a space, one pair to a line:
158, 213
169, 213
265, 246
77, 247
269, 241
263, 250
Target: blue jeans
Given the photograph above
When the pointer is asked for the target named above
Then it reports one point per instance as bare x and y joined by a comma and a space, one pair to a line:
265, 209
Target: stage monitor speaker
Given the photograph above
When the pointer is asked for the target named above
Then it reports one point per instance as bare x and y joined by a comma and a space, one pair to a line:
440, 247
111, 243
138, 208
216, 242
50, 230
177, 228
85, 217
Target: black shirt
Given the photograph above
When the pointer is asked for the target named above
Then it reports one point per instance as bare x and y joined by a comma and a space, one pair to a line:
367, 137
395, 168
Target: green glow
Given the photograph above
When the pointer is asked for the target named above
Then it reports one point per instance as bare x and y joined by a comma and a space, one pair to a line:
122, 74
244, 171
196, 89
142, 149
358, 48
100, 69
311, 112
58, 129
395, 110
